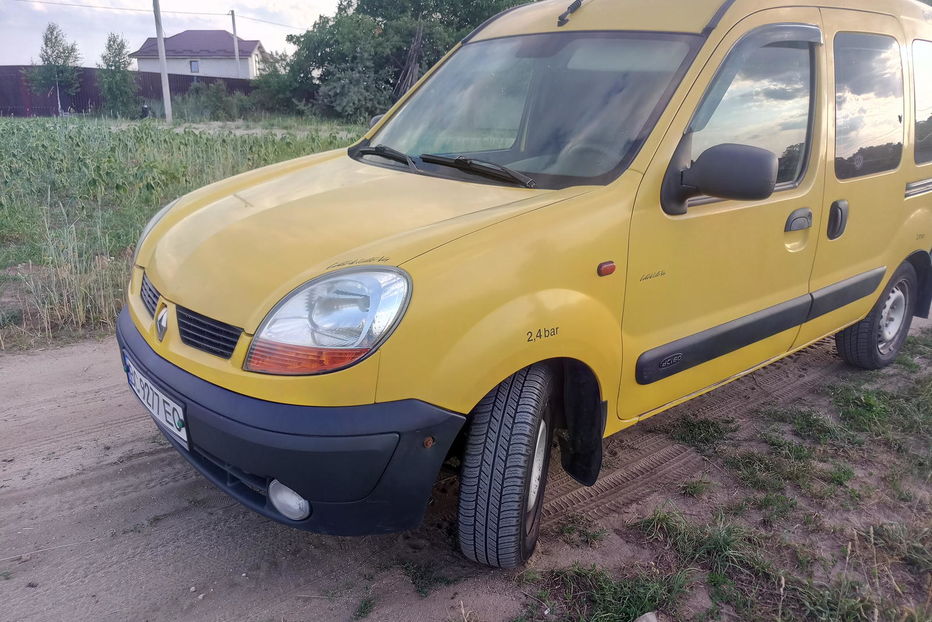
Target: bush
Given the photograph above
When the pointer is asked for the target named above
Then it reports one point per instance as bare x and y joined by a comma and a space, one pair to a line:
212, 102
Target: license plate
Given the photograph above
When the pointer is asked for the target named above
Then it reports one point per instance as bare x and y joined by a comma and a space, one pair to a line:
167, 414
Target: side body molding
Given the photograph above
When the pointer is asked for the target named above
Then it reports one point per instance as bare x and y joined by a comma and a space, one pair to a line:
688, 352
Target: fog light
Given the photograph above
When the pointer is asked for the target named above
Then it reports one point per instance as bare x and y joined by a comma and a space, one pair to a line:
288, 502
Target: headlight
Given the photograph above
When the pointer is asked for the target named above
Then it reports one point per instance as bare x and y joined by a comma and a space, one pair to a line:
149, 226
330, 323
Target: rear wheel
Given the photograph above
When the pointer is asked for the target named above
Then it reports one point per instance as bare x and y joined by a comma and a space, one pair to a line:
504, 471
876, 341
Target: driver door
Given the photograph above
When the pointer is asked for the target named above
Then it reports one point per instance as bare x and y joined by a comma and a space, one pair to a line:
723, 288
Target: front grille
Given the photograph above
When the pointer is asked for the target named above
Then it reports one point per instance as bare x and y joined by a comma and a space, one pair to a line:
206, 334
150, 296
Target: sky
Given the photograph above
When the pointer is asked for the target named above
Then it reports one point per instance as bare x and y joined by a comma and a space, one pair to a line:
22, 23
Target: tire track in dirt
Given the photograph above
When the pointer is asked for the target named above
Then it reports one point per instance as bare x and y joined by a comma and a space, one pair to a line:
640, 463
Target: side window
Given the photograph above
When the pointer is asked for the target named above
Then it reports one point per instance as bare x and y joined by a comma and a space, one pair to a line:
761, 97
922, 61
869, 104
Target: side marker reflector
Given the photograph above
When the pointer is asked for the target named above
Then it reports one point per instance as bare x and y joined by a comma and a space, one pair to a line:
607, 268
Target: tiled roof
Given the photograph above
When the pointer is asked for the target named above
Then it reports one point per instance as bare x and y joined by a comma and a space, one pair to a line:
198, 44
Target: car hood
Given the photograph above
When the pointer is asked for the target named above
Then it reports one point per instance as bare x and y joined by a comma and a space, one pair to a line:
233, 250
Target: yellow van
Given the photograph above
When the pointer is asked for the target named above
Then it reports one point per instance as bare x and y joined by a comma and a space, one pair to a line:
582, 216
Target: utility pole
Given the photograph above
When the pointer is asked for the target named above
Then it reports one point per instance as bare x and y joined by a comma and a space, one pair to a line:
163, 63
235, 44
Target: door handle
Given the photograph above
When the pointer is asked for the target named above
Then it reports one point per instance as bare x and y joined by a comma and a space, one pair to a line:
799, 220
837, 219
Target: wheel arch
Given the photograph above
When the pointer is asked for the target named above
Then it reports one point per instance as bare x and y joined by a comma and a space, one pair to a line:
581, 414
922, 262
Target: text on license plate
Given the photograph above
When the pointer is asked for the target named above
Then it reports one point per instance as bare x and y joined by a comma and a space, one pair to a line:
168, 414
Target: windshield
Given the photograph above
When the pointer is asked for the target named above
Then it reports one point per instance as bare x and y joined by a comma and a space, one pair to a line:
563, 108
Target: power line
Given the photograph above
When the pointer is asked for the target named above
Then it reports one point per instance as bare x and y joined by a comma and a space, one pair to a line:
265, 21
132, 10
112, 8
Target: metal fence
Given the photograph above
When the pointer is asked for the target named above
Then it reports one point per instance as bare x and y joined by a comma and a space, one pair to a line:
19, 100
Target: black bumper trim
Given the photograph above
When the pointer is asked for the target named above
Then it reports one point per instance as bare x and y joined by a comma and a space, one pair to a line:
364, 469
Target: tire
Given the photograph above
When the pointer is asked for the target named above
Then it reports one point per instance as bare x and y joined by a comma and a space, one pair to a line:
876, 341
504, 472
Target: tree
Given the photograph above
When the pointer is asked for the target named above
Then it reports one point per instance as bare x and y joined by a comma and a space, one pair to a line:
117, 84
59, 68
273, 89
349, 64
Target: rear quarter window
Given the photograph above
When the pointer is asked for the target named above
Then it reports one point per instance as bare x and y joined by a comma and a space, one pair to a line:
869, 104
922, 70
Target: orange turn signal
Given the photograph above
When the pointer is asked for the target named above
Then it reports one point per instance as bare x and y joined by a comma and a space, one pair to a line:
268, 357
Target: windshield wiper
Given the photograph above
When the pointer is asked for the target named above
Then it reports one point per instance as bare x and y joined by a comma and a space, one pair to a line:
481, 167
384, 151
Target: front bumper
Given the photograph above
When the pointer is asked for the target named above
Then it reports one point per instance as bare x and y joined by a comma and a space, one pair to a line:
364, 469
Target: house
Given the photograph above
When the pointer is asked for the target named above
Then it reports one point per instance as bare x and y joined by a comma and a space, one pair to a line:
208, 53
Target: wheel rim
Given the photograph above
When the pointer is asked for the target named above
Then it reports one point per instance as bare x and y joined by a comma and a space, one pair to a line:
893, 317
537, 469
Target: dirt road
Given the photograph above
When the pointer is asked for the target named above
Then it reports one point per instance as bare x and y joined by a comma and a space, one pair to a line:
101, 520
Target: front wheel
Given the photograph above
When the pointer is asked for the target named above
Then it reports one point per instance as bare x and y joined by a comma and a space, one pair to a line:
876, 341
504, 471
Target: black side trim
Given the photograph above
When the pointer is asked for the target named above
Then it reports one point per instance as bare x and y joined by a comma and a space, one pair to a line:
482, 26
717, 18
918, 188
700, 348
842, 294
689, 352
922, 261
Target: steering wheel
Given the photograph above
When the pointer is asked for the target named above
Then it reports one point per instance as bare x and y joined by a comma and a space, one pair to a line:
592, 153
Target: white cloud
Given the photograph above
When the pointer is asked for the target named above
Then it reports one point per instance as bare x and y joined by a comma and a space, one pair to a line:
22, 23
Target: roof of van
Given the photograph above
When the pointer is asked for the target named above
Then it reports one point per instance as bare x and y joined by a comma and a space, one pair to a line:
693, 16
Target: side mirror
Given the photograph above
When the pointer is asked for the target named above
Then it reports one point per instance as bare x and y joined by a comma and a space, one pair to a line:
374, 120
733, 172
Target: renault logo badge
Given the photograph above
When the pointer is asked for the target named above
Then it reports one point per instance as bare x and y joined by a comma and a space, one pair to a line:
161, 323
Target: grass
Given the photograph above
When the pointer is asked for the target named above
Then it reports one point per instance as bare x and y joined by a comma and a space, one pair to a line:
908, 544
743, 572
775, 506
808, 424
696, 488
703, 434
77, 192
919, 346
580, 531
768, 472
839, 474
786, 448
882, 414
365, 607
592, 593
807, 558
725, 547
425, 577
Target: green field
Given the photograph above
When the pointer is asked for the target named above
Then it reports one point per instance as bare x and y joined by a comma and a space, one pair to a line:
74, 194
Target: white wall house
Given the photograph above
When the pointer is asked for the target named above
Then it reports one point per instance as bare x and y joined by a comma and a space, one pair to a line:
207, 53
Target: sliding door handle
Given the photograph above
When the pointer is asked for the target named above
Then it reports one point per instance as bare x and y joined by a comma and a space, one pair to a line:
837, 219
800, 220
